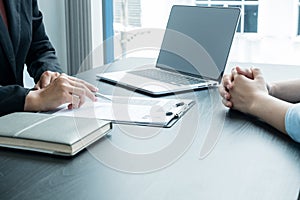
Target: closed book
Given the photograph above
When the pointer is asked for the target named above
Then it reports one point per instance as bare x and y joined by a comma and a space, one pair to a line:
61, 135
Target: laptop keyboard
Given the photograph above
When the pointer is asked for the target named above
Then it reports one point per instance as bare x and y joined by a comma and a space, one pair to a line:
167, 77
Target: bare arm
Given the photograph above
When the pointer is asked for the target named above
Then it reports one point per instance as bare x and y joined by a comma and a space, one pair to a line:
271, 110
286, 90
247, 92
251, 96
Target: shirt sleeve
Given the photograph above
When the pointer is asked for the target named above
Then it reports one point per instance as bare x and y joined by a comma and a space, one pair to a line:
292, 122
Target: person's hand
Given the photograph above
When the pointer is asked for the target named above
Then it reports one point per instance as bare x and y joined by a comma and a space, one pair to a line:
63, 89
244, 91
227, 82
46, 78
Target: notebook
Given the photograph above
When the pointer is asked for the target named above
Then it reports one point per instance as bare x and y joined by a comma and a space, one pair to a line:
60, 135
193, 53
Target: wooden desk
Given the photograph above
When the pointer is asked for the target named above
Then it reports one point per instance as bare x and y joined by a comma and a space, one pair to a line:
251, 160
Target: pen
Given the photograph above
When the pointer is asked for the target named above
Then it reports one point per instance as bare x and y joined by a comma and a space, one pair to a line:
97, 94
181, 111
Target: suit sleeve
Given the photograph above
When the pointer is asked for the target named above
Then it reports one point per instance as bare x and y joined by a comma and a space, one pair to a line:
12, 103
292, 122
41, 56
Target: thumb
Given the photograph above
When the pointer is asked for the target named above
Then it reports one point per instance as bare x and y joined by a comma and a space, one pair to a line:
45, 81
246, 72
37, 86
257, 74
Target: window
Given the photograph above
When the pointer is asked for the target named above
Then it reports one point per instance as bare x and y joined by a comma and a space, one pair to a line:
249, 12
267, 29
127, 12
143, 13
130, 15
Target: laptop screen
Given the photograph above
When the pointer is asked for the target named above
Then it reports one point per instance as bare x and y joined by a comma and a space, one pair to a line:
197, 40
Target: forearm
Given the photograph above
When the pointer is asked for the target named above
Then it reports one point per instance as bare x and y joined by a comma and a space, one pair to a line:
286, 90
271, 110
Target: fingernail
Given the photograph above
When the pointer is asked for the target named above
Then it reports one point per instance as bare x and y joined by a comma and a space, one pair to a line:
70, 107
228, 104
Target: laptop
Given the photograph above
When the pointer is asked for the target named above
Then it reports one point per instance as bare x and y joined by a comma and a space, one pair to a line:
193, 54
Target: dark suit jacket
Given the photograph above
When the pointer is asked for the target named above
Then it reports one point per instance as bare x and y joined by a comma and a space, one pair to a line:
25, 43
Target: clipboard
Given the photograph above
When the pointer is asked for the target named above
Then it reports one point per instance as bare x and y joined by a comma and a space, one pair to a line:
133, 111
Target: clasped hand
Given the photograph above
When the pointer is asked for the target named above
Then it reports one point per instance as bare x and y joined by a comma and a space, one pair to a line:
54, 89
241, 89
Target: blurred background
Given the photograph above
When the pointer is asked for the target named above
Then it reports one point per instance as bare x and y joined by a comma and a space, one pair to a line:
268, 31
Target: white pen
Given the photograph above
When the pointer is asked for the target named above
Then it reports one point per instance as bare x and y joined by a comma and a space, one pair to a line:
97, 94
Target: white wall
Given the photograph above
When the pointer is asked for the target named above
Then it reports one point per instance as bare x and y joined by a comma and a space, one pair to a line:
54, 20
97, 33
